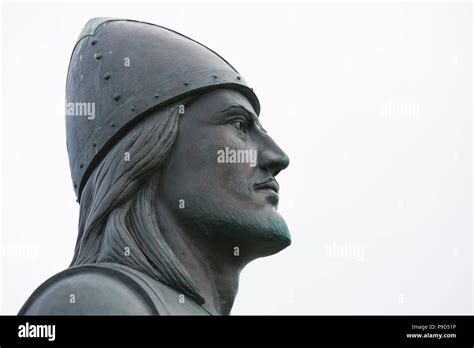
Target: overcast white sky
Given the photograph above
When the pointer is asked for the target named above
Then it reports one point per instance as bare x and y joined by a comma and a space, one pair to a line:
372, 102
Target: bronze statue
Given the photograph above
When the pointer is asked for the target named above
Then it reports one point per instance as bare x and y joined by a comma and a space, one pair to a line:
174, 174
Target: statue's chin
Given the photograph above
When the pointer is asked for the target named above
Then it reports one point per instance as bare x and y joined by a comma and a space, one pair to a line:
271, 235
255, 235
256, 232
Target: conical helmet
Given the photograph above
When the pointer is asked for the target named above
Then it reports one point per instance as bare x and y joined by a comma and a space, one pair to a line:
121, 71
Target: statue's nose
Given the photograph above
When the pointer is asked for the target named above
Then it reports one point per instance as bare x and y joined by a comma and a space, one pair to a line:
272, 158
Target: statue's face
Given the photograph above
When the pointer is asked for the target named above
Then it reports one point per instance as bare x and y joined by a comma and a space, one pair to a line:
219, 180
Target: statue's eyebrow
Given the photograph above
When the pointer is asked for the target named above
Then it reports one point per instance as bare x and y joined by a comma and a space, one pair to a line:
247, 112
239, 107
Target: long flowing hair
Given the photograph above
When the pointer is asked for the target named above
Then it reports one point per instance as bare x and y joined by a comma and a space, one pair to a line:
118, 219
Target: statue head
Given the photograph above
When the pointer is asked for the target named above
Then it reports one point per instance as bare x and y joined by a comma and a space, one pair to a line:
222, 169
172, 161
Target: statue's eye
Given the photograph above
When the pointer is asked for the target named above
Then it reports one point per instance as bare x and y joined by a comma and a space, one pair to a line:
240, 125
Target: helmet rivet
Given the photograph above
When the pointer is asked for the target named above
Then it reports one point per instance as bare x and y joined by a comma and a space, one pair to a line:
238, 77
107, 75
93, 42
132, 108
215, 76
186, 83
116, 96
156, 96
75, 186
81, 166
112, 125
94, 145
97, 56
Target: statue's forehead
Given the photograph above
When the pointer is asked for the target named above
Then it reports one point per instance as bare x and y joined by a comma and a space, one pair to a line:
223, 100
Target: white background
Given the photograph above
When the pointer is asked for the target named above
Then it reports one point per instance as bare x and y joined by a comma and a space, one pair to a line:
372, 102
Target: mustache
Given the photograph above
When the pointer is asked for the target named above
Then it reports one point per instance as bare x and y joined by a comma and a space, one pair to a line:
270, 183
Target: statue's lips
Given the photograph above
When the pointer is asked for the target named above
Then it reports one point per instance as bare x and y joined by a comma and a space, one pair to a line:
267, 184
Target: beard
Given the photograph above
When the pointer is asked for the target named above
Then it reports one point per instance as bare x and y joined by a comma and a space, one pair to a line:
256, 234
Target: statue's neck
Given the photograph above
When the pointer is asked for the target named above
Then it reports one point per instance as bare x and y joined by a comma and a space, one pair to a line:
214, 272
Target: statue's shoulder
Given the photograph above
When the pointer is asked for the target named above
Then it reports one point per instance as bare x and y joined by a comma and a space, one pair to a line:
90, 290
